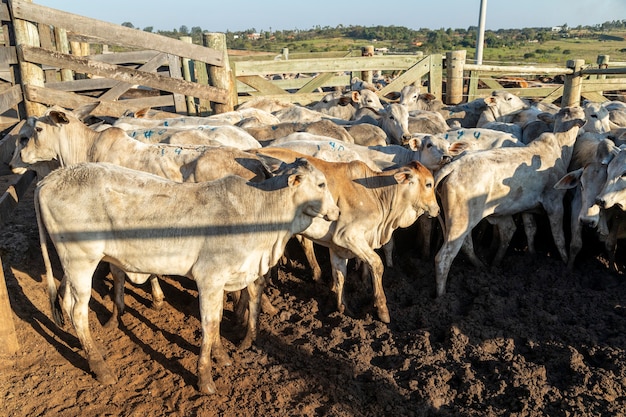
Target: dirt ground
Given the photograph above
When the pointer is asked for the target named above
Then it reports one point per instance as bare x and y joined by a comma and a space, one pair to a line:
524, 339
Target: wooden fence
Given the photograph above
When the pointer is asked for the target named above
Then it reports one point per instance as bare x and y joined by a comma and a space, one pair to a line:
448, 77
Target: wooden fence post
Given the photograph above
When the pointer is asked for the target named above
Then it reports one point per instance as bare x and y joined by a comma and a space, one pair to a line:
191, 104
603, 63
221, 77
367, 76
9, 344
572, 87
455, 61
30, 74
63, 46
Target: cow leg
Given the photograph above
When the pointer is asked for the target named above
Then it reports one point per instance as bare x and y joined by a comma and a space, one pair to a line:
425, 228
576, 239
375, 265
158, 297
211, 305
339, 271
309, 253
443, 261
78, 294
506, 227
470, 252
555, 217
119, 277
530, 230
611, 243
388, 251
255, 290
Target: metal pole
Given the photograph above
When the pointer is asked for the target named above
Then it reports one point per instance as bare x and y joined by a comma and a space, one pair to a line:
480, 40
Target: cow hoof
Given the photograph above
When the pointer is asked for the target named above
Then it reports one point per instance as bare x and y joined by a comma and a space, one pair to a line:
112, 323
207, 388
103, 375
245, 344
157, 304
383, 314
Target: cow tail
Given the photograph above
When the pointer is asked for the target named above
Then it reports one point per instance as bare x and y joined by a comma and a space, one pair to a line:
55, 305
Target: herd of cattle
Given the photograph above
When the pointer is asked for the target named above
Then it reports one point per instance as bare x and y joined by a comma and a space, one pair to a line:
217, 198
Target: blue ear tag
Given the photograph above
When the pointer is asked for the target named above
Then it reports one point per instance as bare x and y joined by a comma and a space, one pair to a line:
476, 135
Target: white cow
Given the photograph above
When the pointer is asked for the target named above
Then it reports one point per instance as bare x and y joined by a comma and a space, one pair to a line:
226, 235
430, 152
503, 182
227, 135
344, 106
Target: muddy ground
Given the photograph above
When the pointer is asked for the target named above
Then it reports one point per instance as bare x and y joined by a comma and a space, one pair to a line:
524, 339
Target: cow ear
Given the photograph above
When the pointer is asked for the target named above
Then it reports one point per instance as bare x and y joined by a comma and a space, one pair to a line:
344, 101
392, 95
355, 96
427, 96
58, 117
414, 144
570, 180
83, 112
294, 180
270, 163
142, 113
606, 150
457, 147
404, 176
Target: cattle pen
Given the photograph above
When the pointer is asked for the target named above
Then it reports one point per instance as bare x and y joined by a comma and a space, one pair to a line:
50, 57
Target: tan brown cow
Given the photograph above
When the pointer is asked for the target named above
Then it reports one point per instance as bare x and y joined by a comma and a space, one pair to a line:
373, 204
225, 236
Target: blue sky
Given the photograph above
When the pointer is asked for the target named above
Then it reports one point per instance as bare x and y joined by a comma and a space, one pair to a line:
232, 15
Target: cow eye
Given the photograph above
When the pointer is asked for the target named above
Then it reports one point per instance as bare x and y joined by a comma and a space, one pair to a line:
429, 185
594, 116
322, 185
430, 145
38, 129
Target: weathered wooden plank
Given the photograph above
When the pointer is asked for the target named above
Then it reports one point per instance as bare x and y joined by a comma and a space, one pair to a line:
605, 71
313, 66
67, 100
594, 96
297, 83
81, 64
414, 73
4, 12
176, 73
315, 83
491, 83
261, 85
302, 99
137, 57
522, 92
10, 98
114, 34
121, 87
82, 85
8, 55
517, 69
554, 95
